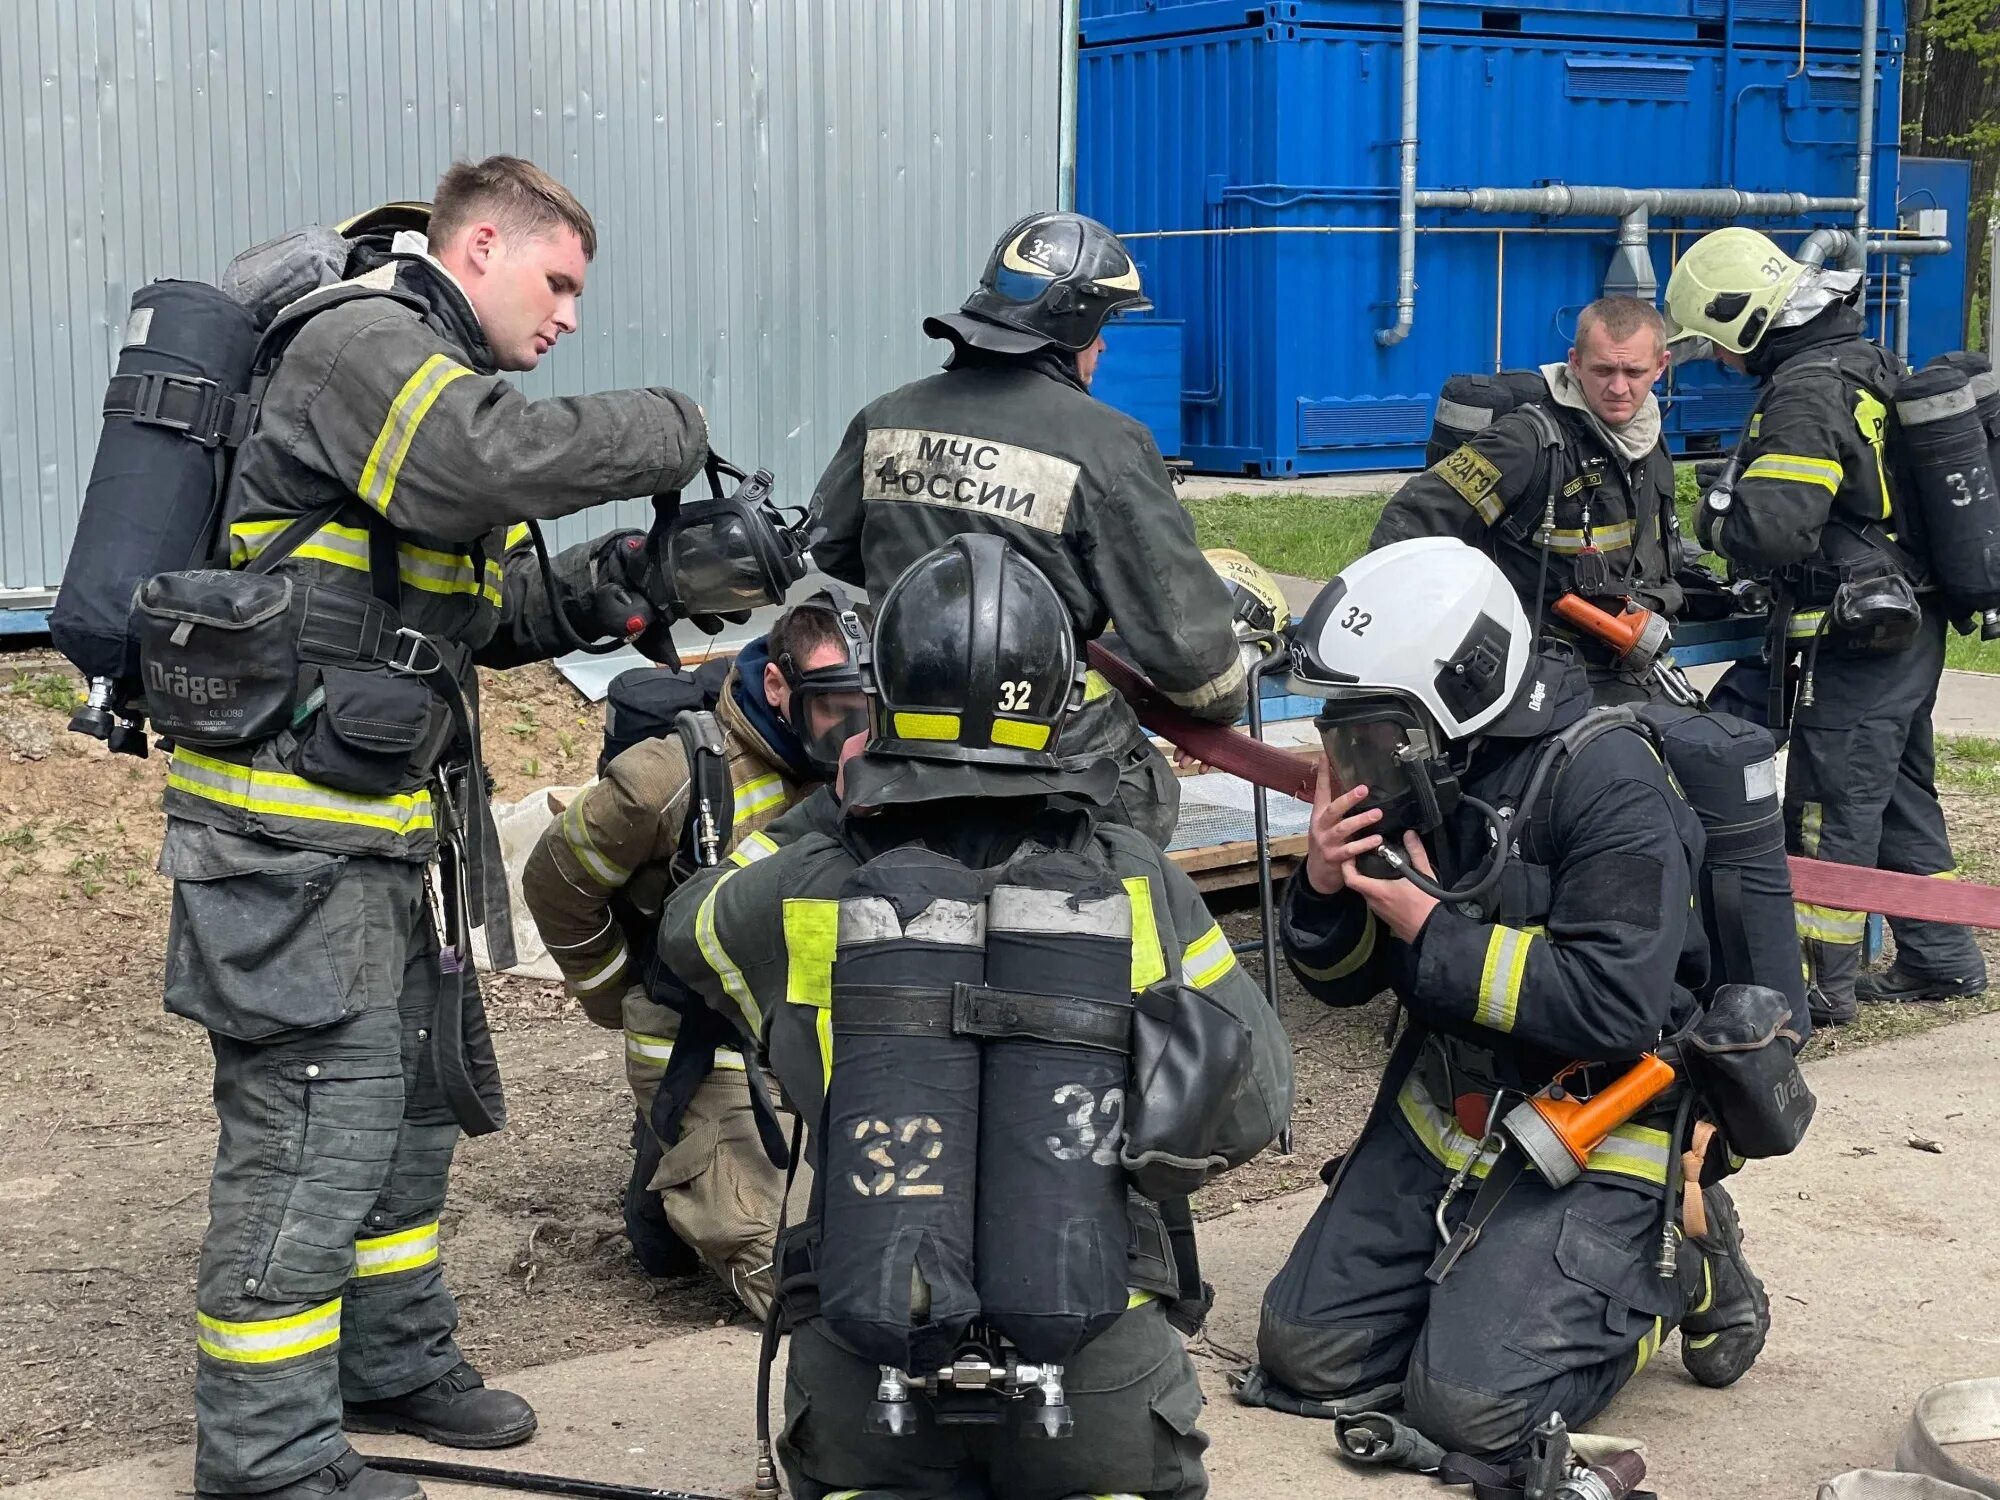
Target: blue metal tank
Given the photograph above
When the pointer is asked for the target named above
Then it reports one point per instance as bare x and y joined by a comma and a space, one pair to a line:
1253, 168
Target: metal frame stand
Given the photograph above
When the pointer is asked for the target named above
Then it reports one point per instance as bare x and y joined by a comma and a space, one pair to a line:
1266, 945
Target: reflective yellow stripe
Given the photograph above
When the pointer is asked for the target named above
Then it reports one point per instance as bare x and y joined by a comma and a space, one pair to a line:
516, 534
610, 969
1208, 958
403, 1251
406, 414
1797, 468
277, 794
1138, 1299
1811, 815
1649, 1344
1872, 417
423, 568
1149, 964
760, 795
265, 1341
812, 935
1804, 625
1637, 1151
1500, 977
658, 1051
752, 849
1604, 538
576, 834
927, 726
1020, 735
1359, 954
1707, 1288
1096, 685
731, 977
1829, 924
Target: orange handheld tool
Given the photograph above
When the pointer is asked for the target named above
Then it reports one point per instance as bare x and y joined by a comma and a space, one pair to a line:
1638, 635
1557, 1132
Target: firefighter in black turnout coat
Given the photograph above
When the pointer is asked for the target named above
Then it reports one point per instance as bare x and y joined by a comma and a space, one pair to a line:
1586, 950
1007, 440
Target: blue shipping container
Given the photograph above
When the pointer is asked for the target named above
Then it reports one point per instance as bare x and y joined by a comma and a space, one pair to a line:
1285, 135
1140, 374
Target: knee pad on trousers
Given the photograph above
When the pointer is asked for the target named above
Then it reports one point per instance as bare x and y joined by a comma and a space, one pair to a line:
1326, 1364
1462, 1420
418, 1177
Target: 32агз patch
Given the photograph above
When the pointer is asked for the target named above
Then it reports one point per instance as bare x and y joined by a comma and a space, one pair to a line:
948, 468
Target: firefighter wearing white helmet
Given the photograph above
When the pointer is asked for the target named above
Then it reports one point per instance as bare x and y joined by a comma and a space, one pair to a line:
1819, 501
1564, 934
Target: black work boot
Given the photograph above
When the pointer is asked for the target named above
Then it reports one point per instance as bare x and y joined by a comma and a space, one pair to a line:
456, 1410
1897, 983
659, 1251
1723, 1331
345, 1478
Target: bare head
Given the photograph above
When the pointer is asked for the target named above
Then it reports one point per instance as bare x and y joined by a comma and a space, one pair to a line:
519, 243
1621, 349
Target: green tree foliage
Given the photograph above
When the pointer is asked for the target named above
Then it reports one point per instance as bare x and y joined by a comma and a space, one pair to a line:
1951, 107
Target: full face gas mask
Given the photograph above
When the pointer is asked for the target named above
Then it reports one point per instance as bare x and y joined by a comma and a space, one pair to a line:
829, 705
726, 553
1385, 741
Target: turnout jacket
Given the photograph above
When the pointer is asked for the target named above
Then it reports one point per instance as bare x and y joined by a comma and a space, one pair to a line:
599, 877
402, 410
1815, 466
1589, 950
1020, 449
754, 941
1492, 493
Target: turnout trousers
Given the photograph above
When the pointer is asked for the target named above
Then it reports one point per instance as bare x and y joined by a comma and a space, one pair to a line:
1132, 1390
317, 976
1860, 789
1554, 1308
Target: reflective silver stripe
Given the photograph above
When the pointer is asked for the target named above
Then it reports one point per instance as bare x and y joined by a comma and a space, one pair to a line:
604, 972
267, 1340
576, 834
1982, 385
1829, 924
752, 849
1222, 685
1500, 977
658, 1051
1629, 1151
1936, 408
1463, 418
759, 795
1208, 958
405, 1250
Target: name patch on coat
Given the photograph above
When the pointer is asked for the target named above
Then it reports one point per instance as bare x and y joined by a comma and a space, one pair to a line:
948, 468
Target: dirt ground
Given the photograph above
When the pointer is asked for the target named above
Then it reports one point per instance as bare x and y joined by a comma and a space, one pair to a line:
106, 1131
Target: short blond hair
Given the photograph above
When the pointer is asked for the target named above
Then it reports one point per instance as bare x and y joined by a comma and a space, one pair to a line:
1620, 318
514, 193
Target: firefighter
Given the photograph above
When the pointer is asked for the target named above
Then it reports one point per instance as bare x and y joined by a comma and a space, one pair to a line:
1593, 450
1577, 945
596, 883
349, 1048
974, 634
1814, 506
1008, 441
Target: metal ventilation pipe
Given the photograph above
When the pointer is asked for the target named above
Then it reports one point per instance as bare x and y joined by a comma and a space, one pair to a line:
1406, 196
1614, 203
1630, 273
1864, 154
1838, 245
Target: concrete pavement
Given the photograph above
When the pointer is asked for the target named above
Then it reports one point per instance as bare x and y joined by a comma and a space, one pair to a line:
1879, 1259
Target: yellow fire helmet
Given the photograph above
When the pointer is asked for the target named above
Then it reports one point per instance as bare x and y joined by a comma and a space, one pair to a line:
1729, 289
1258, 604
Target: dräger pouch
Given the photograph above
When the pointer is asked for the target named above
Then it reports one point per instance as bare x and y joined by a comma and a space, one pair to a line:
216, 654
1742, 1057
1875, 611
1189, 1059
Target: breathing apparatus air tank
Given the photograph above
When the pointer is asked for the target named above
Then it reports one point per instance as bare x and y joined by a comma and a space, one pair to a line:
1469, 404
1955, 501
900, 1136
1056, 1017
1985, 387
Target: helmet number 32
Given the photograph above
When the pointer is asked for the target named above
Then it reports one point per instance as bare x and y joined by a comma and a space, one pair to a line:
1016, 696
1356, 620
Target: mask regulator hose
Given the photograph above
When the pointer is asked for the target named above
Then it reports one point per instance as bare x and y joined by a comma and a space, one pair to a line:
1390, 861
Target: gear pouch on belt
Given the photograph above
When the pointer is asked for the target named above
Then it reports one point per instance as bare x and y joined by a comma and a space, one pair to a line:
361, 730
1742, 1057
217, 653
1876, 612
1189, 1059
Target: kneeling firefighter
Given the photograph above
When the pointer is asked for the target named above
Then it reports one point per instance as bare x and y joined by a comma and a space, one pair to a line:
1018, 1041
1505, 1239
699, 788
1866, 499
311, 658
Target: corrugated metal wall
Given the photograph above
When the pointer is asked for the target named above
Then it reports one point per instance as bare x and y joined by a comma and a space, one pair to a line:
782, 187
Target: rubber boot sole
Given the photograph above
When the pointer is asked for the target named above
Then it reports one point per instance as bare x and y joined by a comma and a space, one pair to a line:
506, 1437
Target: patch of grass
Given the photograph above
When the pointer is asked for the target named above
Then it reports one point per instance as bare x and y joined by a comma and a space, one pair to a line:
1970, 762
1885, 1023
1309, 536
22, 838
1968, 653
51, 690
531, 767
